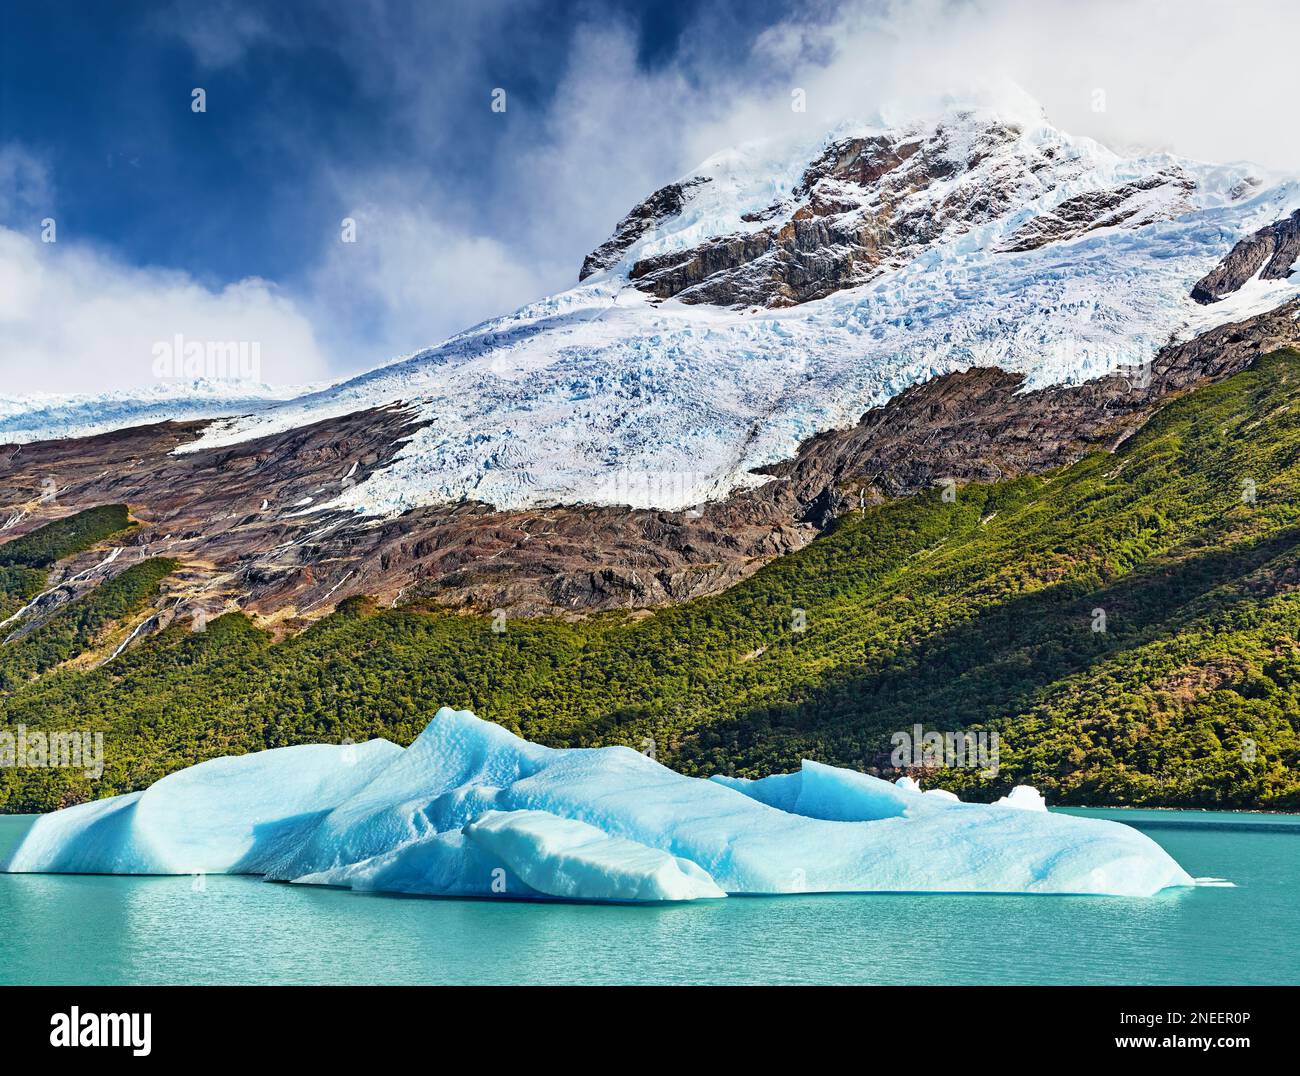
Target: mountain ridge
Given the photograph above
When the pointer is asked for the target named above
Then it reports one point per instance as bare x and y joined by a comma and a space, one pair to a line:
605, 394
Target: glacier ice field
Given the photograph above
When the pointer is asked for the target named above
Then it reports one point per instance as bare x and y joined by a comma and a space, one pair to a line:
471, 810
604, 395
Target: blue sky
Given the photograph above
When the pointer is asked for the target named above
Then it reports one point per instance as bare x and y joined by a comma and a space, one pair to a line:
225, 225
368, 109
299, 92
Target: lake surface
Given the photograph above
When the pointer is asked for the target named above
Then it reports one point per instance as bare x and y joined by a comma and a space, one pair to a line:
92, 929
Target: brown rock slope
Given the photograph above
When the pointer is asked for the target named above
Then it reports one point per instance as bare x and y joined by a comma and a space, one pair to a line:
235, 516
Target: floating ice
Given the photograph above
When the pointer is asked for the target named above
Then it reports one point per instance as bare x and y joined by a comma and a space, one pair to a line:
225, 816
469, 809
1023, 797
564, 857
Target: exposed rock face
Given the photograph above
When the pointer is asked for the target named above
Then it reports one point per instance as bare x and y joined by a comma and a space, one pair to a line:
1271, 252
868, 204
226, 515
840, 225
206, 508
558, 560
1129, 205
663, 205
237, 520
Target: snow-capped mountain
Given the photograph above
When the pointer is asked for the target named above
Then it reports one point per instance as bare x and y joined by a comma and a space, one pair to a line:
782, 289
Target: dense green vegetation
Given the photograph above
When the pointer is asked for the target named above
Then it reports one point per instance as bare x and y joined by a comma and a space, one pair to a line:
64, 537
23, 560
17, 587
980, 613
80, 625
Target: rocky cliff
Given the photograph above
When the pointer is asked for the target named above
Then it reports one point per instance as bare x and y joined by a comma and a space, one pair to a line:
1271, 253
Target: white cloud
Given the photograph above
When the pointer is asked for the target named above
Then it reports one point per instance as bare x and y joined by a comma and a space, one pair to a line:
613, 134
219, 34
25, 189
1196, 77
76, 319
412, 277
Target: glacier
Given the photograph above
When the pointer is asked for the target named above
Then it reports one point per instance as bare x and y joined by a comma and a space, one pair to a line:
48, 416
472, 810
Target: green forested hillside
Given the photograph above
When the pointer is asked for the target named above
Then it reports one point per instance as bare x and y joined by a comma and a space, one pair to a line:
22, 559
976, 613
78, 627
64, 537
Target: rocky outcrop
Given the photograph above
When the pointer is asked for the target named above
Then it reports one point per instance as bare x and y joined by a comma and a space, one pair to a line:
871, 203
663, 205
842, 222
1131, 205
1271, 252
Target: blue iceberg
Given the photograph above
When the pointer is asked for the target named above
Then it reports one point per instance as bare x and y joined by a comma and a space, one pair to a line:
471, 810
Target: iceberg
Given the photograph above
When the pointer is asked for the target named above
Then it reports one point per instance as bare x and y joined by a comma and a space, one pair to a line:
1024, 798
225, 816
564, 857
471, 810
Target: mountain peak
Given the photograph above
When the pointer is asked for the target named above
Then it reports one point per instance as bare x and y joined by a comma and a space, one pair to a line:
781, 290
783, 222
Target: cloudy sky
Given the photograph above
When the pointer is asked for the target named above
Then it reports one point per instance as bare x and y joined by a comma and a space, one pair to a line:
226, 224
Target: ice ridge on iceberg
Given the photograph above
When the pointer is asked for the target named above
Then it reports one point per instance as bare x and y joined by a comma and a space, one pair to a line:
471, 810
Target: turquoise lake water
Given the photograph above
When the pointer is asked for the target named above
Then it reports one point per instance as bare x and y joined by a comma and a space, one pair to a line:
93, 929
